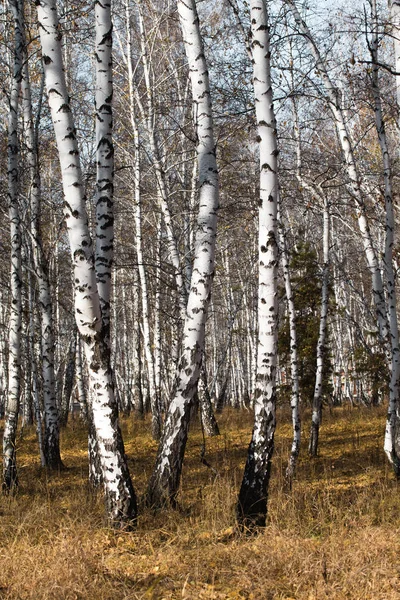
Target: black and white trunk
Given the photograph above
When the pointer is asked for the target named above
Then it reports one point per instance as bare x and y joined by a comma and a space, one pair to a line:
119, 493
391, 445
208, 420
104, 160
51, 417
137, 351
164, 482
157, 320
252, 501
10, 478
321, 350
294, 363
34, 373
80, 381
68, 383
104, 246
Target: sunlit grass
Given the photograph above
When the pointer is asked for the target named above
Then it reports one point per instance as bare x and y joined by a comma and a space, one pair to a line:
335, 535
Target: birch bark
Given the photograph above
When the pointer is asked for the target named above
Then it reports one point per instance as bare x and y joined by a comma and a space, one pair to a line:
391, 445
35, 391
321, 351
51, 430
68, 383
104, 160
10, 478
253, 495
164, 482
208, 420
80, 381
294, 363
120, 496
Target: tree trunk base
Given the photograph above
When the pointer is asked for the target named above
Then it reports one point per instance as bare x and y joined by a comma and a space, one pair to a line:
53, 457
251, 509
290, 470
10, 478
313, 444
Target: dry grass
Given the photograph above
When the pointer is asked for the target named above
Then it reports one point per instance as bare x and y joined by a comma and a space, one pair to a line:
336, 535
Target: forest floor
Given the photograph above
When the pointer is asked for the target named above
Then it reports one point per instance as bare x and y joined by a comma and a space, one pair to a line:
336, 535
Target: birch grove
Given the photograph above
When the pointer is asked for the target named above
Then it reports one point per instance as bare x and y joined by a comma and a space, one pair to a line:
126, 305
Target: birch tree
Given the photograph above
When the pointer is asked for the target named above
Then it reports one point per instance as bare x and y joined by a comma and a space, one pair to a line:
294, 367
393, 409
395, 31
164, 482
119, 493
252, 501
14, 357
51, 429
321, 350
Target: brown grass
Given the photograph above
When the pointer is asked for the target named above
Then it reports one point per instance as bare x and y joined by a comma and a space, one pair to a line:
335, 536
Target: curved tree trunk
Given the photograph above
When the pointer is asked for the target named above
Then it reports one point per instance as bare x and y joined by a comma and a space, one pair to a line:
164, 482
120, 496
353, 177
355, 188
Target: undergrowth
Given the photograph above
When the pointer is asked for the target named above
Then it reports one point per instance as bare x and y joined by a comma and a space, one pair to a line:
334, 535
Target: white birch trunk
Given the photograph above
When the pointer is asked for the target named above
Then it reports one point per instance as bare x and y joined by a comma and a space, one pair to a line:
10, 478
126, 351
139, 403
51, 430
157, 319
390, 442
104, 160
189, 241
321, 351
68, 382
80, 381
253, 495
164, 483
34, 370
120, 496
294, 364
208, 420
